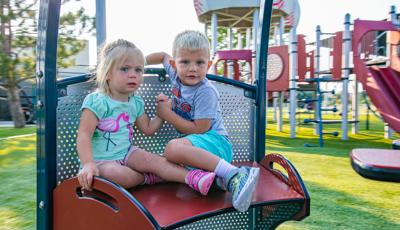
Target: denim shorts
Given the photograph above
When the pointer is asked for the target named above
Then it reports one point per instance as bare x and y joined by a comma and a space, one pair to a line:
214, 143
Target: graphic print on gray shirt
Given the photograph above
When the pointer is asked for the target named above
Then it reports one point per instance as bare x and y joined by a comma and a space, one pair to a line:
196, 102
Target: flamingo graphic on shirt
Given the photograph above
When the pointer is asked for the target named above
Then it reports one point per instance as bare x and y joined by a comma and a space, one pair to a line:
110, 125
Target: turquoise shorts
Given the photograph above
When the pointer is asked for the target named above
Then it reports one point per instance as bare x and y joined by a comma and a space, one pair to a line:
214, 143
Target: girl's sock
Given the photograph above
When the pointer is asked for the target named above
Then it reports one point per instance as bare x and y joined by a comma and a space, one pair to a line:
151, 178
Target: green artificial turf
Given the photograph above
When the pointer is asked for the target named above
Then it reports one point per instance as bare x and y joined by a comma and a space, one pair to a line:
18, 182
340, 198
9, 132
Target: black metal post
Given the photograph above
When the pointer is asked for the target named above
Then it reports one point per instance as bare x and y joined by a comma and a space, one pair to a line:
49, 15
261, 73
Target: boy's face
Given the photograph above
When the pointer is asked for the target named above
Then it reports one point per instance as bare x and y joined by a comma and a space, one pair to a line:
191, 65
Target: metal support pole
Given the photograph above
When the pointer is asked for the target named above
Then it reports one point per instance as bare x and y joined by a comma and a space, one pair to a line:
101, 32
248, 38
230, 47
316, 73
255, 28
388, 131
293, 73
279, 126
240, 40
214, 33
46, 66
356, 108
346, 74
261, 72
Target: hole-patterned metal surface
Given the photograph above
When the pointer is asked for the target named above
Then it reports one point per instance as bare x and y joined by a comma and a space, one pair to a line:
275, 67
228, 221
236, 110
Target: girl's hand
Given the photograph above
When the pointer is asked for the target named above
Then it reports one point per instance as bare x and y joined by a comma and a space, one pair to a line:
162, 97
163, 108
85, 176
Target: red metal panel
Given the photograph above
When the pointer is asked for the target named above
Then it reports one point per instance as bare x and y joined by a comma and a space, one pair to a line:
235, 56
107, 207
394, 40
301, 57
281, 83
337, 56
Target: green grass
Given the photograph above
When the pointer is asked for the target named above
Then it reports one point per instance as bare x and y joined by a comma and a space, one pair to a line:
8, 131
340, 198
18, 181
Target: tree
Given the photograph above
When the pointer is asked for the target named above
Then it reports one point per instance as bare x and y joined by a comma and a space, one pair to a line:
18, 32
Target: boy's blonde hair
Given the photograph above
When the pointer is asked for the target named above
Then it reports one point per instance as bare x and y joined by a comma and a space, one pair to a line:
111, 54
191, 40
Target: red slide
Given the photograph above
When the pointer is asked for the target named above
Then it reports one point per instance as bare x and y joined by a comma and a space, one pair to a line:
383, 88
382, 84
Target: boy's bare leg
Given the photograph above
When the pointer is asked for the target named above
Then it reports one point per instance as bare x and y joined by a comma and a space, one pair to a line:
182, 151
146, 162
121, 175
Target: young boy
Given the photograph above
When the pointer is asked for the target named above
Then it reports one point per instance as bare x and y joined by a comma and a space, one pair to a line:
195, 112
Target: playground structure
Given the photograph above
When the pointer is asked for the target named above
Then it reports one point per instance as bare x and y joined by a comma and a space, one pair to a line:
304, 66
380, 78
280, 196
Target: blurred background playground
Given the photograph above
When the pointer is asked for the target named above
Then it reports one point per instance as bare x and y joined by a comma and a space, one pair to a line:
333, 86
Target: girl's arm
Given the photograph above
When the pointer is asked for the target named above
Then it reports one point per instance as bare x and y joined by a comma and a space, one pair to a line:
87, 126
148, 126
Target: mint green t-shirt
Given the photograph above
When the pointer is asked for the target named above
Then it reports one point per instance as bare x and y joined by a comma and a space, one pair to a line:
114, 133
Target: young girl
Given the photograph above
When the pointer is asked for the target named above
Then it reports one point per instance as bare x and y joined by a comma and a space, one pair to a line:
105, 133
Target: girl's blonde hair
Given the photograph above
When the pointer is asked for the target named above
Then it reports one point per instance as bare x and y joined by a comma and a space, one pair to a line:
111, 54
190, 40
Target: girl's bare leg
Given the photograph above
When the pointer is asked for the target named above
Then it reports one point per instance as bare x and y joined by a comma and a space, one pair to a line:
121, 175
146, 162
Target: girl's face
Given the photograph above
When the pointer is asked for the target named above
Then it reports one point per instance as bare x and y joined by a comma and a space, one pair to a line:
125, 77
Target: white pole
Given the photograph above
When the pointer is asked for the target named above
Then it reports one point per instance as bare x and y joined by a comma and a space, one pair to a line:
346, 74
240, 38
255, 27
292, 89
214, 33
248, 38
101, 32
279, 127
356, 108
230, 47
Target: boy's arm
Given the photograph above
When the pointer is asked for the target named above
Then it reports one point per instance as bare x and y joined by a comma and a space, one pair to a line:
157, 58
87, 126
148, 126
182, 125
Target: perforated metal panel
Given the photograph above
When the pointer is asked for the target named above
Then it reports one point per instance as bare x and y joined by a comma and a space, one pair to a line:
68, 114
236, 110
277, 214
228, 221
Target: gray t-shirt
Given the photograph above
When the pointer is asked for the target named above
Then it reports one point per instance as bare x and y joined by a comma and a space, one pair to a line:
196, 102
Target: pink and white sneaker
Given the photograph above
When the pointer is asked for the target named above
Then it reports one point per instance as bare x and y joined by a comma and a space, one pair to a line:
200, 180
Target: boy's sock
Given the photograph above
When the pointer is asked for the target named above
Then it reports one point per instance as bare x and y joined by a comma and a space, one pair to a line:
151, 178
224, 171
